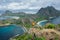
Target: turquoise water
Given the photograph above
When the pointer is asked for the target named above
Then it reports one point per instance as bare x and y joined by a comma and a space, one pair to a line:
42, 23
9, 31
56, 20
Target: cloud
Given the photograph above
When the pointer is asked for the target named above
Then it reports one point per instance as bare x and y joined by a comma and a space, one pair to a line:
2, 7
28, 5
31, 8
16, 6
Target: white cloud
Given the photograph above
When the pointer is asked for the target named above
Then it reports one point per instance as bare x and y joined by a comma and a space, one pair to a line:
31, 8
2, 7
33, 1
29, 4
16, 6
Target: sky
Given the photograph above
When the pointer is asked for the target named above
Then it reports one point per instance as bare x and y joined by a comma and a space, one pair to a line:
28, 6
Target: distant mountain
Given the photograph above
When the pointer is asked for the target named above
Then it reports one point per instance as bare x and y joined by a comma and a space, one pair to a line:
43, 13
10, 13
48, 12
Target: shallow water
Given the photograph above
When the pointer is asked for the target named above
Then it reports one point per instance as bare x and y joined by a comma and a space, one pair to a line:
9, 31
56, 20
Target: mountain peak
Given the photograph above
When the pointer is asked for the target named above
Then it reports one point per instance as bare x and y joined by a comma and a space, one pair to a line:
48, 11
48, 7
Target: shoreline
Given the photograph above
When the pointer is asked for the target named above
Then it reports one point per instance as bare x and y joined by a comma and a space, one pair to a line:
5, 24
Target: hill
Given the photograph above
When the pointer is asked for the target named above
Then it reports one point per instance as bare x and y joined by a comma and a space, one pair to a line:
49, 11
10, 13
43, 13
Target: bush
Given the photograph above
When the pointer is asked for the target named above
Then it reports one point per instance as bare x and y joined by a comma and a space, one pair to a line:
41, 38
28, 37
59, 25
24, 37
50, 26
